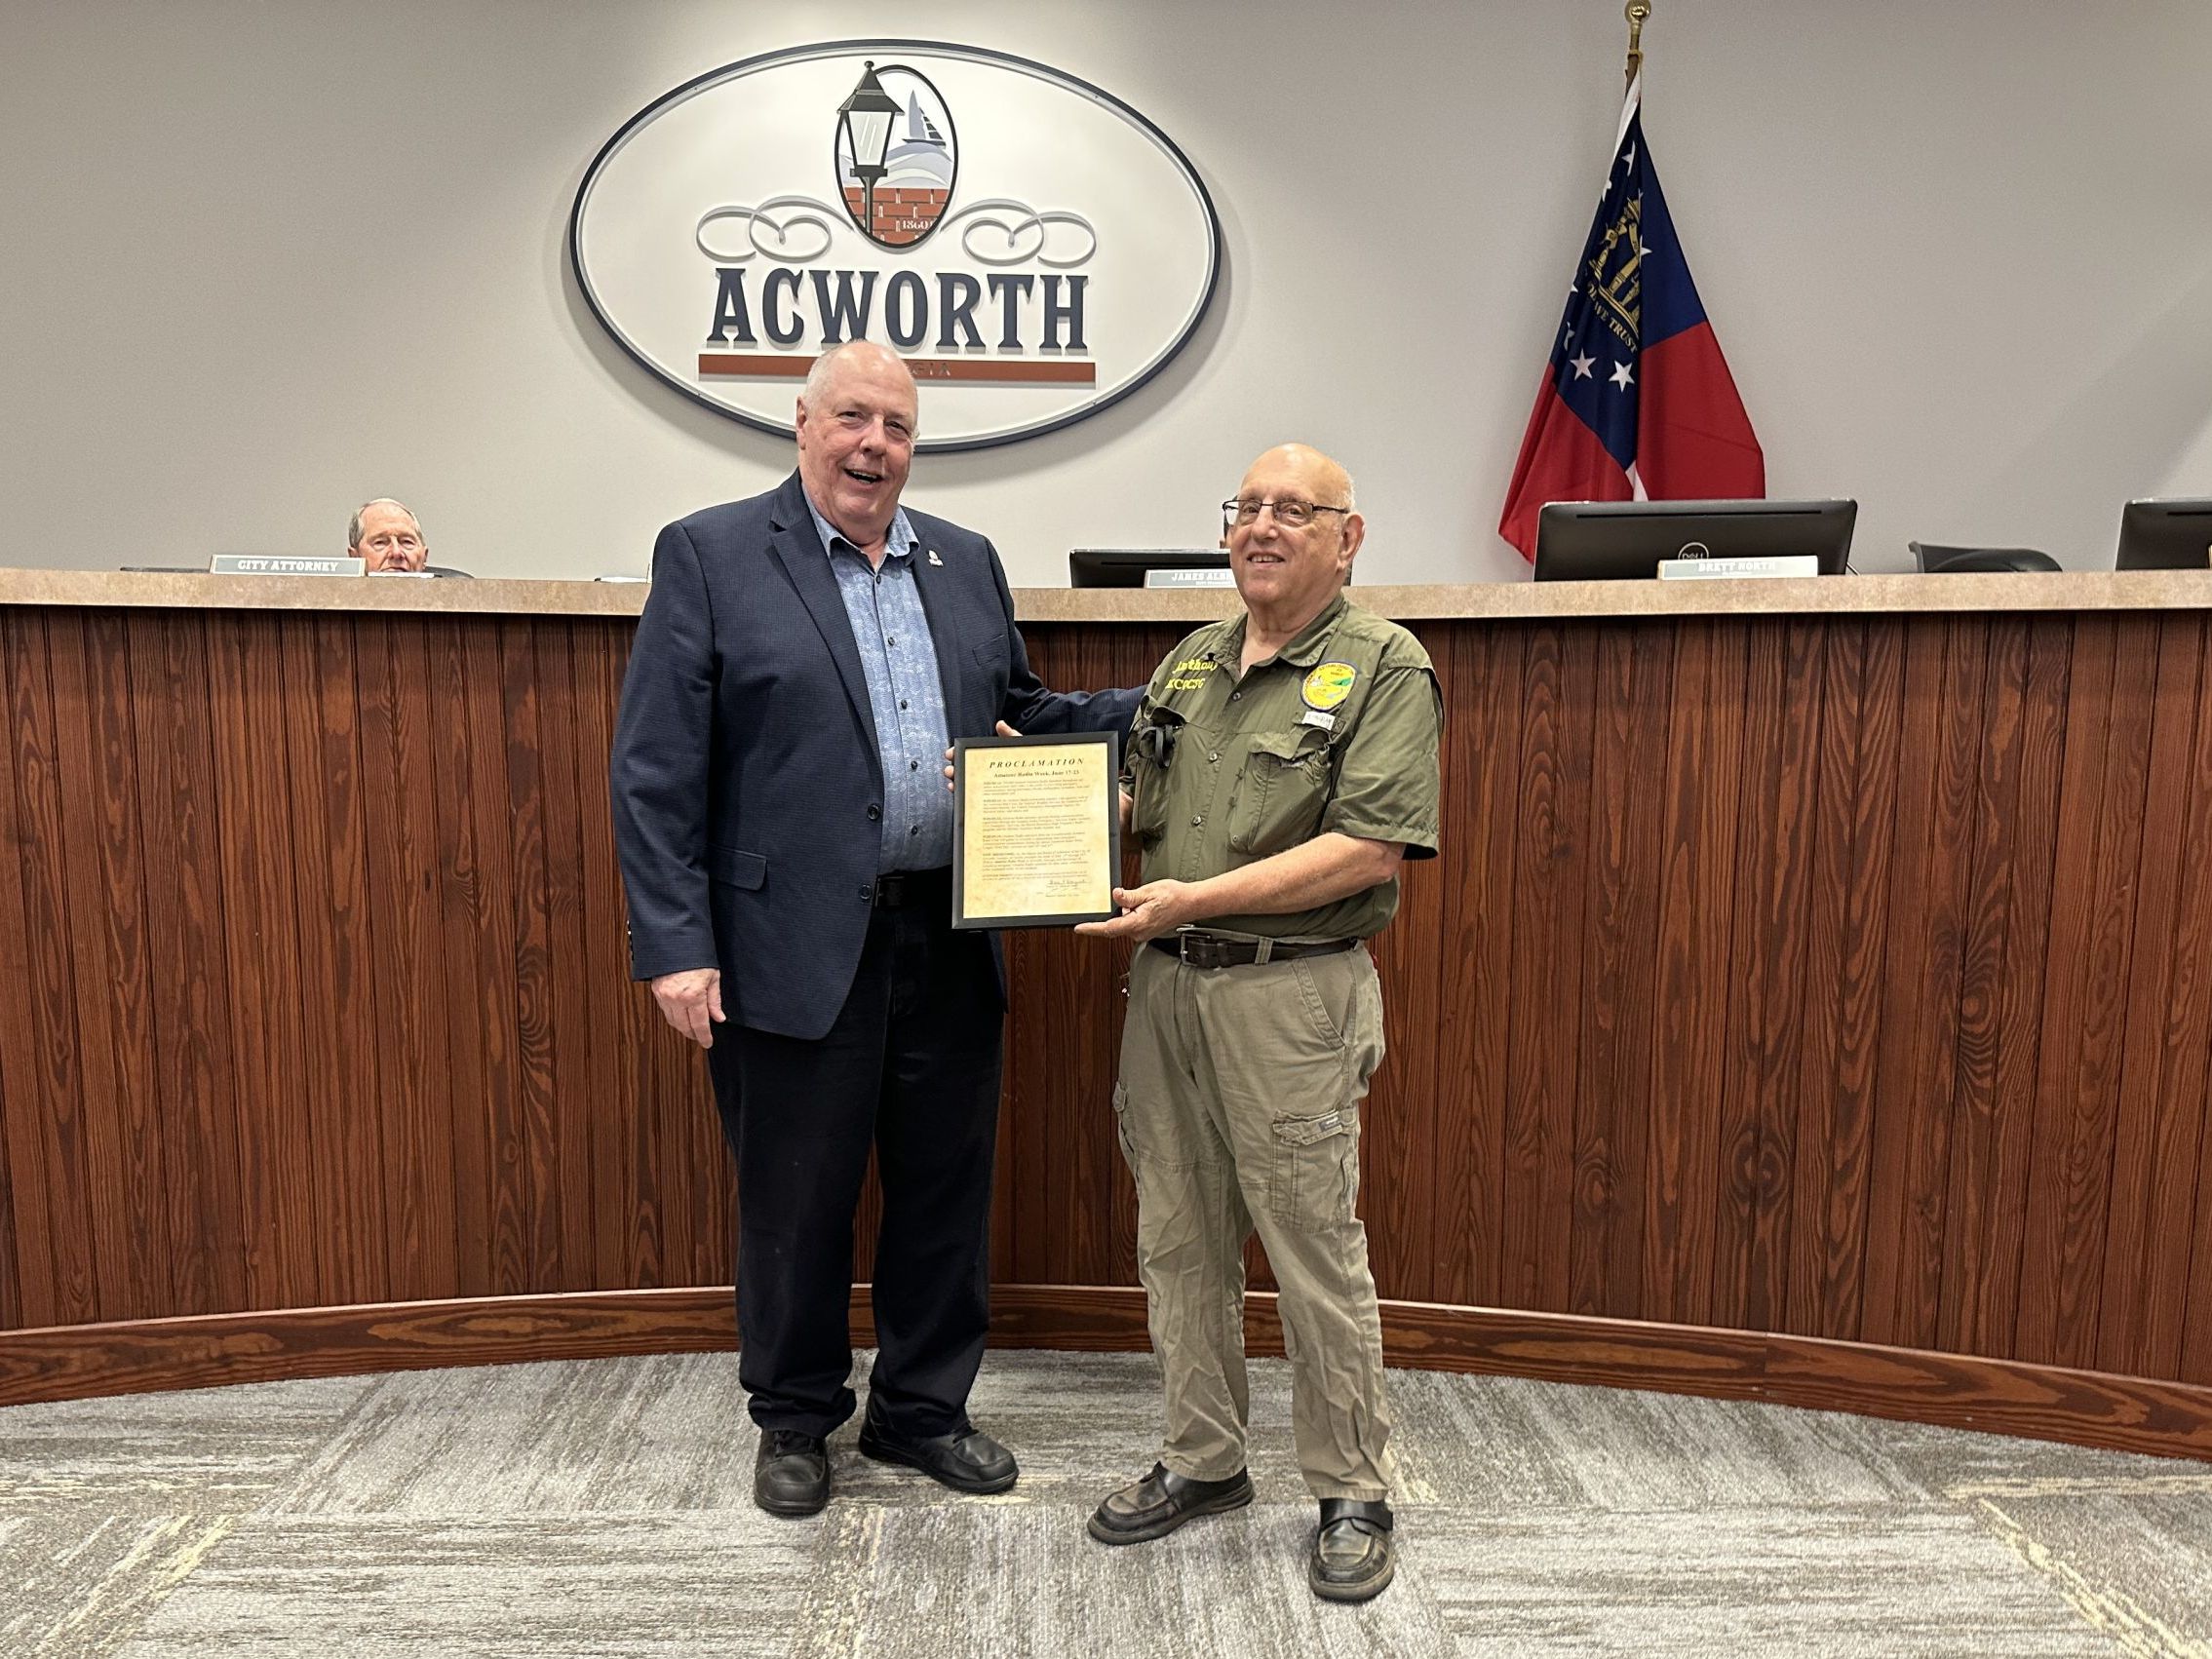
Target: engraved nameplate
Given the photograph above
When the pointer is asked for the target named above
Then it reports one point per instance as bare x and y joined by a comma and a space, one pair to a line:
282, 564
1761, 565
1212, 576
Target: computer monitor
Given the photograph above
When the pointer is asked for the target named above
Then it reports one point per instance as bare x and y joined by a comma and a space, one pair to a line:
2165, 535
1125, 566
1589, 541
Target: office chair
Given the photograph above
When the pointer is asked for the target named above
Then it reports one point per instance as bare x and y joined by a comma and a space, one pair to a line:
1933, 556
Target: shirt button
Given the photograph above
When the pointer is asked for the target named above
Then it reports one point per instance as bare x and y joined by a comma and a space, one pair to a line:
1198, 818
868, 893
1236, 696
873, 812
913, 765
890, 638
901, 702
913, 829
1215, 757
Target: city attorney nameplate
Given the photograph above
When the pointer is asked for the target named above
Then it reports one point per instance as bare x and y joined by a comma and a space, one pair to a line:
278, 564
1036, 829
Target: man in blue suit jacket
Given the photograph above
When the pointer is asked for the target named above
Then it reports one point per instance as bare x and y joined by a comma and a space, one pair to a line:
804, 659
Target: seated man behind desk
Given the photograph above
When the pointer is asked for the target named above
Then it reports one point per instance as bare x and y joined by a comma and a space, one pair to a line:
388, 540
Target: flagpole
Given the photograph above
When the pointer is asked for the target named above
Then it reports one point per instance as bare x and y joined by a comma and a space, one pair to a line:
1637, 11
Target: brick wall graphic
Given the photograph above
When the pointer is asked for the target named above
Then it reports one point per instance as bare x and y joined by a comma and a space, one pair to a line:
903, 215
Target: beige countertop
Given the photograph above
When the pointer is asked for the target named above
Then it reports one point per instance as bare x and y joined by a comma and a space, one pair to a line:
2061, 591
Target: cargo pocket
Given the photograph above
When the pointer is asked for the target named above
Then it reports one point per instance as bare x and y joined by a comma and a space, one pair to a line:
1312, 1179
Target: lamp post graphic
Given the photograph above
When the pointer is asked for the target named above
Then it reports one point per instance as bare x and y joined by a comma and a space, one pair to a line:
866, 117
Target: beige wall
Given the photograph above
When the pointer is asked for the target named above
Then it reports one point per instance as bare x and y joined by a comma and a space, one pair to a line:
259, 261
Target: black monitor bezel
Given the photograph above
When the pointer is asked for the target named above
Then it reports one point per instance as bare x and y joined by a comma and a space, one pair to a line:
2148, 540
1604, 548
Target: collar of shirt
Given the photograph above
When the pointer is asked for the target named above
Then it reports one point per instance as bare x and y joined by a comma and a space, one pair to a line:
1303, 652
898, 542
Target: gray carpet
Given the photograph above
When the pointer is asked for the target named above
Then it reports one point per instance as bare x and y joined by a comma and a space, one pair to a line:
604, 1508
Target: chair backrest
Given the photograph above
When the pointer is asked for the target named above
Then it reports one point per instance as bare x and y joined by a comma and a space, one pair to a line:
1932, 557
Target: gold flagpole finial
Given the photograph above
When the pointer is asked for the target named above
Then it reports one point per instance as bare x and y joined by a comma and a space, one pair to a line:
1638, 12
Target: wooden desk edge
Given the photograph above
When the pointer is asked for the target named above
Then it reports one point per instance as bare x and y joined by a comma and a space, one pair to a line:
1504, 602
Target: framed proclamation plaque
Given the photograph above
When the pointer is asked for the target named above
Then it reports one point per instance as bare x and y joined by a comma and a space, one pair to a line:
1036, 829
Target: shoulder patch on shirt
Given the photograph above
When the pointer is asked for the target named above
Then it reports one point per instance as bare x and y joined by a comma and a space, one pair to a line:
1329, 685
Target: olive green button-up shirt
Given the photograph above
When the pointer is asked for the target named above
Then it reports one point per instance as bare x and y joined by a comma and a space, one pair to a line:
1339, 731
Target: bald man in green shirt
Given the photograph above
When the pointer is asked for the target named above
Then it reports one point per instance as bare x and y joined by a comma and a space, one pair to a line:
1282, 766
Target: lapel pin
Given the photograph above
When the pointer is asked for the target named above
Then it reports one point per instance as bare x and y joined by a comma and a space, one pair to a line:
933, 558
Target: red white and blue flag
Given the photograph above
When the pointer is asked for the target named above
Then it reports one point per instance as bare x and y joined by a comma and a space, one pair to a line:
1638, 403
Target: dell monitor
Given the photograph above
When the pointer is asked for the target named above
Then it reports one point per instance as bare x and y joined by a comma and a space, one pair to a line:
1125, 566
1595, 541
2165, 535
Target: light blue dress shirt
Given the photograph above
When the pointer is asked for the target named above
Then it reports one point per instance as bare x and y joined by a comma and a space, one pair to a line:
904, 692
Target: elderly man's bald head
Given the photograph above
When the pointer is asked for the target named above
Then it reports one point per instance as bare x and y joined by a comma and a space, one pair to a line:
1293, 534
1327, 472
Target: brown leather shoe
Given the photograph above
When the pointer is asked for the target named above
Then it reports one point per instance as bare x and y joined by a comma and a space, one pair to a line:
1351, 1551
791, 1473
1162, 1501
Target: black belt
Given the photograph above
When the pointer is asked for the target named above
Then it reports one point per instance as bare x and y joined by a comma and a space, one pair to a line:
897, 888
1194, 947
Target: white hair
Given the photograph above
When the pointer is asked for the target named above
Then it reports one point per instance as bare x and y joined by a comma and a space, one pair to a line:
818, 376
353, 524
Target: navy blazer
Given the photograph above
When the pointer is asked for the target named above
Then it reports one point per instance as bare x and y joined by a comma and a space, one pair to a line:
747, 787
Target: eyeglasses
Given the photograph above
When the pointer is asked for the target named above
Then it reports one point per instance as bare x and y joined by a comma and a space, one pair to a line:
1291, 514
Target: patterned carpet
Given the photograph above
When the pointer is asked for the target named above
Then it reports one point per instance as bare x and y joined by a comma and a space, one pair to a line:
604, 1508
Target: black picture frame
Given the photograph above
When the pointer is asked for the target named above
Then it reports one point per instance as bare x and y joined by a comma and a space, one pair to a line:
1111, 742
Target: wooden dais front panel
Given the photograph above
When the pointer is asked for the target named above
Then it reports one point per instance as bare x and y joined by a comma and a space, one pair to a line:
1848, 978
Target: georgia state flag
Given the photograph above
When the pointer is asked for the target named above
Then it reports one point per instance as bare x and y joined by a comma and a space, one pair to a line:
1638, 403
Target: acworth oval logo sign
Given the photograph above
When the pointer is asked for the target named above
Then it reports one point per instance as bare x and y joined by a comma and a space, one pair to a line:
1031, 245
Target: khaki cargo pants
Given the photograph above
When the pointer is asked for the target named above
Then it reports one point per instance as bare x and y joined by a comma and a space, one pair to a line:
1239, 1106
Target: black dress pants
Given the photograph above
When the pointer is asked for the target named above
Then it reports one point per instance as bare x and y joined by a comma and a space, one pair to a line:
912, 1066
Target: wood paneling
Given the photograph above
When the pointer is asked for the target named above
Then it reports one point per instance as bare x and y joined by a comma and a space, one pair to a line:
50, 1174
1846, 979
1472, 956
413, 1099
168, 667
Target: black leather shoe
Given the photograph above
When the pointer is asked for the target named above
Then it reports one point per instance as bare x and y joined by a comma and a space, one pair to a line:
1351, 1551
970, 1461
791, 1473
1162, 1501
